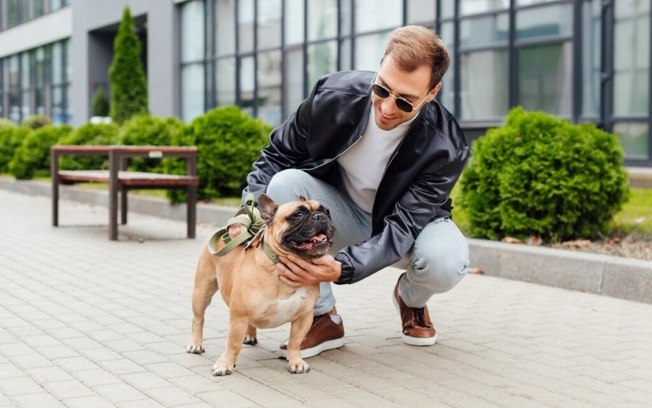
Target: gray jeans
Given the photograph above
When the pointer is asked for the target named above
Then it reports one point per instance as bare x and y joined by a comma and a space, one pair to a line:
436, 263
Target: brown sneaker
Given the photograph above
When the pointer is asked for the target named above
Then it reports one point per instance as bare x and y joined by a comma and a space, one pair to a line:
418, 330
324, 334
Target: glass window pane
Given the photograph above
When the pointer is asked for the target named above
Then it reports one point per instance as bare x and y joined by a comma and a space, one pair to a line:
469, 7
544, 78
631, 58
369, 49
520, 3
192, 31
421, 11
57, 109
345, 62
294, 16
293, 80
246, 25
225, 79
484, 31
192, 91
371, 15
269, 87
346, 12
225, 27
322, 19
447, 93
447, 8
247, 84
57, 63
634, 138
484, 85
591, 28
269, 24
544, 22
322, 59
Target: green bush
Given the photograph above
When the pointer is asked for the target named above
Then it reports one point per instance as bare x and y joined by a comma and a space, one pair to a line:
542, 176
10, 138
149, 130
36, 121
100, 104
32, 158
4, 122
128, 82
89, 134
228, 142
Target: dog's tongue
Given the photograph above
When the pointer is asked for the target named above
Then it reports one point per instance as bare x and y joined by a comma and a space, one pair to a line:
313, 241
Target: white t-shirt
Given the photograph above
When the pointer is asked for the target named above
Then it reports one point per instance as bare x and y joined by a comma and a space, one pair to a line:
363, 165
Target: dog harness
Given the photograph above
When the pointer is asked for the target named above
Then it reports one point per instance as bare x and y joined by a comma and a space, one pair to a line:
249, 216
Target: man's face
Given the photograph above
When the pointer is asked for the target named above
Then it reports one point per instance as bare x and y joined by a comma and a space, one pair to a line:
411, 86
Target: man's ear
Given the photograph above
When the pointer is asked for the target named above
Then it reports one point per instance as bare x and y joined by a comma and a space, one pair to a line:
435, 91
267, 207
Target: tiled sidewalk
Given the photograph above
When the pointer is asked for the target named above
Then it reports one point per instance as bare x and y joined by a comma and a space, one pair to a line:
86, 322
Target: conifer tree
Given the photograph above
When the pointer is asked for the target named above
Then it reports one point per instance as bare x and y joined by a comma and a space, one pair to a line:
128, 81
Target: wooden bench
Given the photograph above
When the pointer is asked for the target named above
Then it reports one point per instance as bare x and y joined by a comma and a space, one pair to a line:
120, 181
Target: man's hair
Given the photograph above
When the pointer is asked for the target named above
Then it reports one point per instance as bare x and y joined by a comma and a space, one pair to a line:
413, 46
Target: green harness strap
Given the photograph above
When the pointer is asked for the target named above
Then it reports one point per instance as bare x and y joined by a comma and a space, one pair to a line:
250, 217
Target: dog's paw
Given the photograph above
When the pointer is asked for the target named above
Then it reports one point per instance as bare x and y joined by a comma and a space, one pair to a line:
299, 367
195, 348
250, 340
220, 370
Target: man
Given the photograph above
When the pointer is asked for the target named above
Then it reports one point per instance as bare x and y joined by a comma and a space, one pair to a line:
383, 156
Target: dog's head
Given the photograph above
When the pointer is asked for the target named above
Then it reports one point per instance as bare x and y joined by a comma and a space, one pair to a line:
303, 227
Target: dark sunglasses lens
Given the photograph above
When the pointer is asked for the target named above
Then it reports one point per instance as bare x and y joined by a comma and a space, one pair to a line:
402, 104
380, 91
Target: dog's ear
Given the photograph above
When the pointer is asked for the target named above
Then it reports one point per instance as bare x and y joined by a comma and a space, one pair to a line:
267, 207
302, 197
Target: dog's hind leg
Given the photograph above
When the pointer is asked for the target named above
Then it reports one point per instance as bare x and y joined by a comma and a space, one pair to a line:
226, 363
202, 294
250, 337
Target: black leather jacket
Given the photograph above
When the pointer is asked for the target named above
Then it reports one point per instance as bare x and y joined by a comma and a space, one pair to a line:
417, 182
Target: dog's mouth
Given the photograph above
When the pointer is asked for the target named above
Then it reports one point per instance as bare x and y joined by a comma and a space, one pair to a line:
315, 246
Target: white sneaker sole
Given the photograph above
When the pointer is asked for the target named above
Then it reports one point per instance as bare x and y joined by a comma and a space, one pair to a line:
313, 351
414, 341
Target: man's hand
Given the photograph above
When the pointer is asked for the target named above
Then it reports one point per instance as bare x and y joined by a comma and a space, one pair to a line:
298, 272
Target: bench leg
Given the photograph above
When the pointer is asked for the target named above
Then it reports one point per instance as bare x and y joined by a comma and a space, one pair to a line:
123, 206
55, 201
191, 210
113, 211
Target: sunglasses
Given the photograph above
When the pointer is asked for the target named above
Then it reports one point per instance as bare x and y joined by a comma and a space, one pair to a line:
401, 103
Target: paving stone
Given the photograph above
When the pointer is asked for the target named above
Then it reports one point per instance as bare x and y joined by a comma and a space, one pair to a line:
85, 321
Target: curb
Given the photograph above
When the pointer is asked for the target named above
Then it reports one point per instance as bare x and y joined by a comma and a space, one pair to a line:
612, 276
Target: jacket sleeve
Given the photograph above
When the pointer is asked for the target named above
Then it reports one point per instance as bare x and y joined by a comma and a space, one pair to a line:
416, 208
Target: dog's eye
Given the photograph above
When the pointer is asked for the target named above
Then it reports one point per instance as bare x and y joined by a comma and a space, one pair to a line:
299, 214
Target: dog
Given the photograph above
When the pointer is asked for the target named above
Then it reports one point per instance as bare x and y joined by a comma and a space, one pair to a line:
251, 288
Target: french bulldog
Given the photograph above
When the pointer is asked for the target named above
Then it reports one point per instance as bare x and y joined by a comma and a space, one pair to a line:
250, 286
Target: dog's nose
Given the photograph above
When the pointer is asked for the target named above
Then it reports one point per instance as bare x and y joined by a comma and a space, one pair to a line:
318, 216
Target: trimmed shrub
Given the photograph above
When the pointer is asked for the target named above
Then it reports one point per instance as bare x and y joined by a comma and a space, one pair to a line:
10, 138
228, 142
128, 82
149, 130
542, 176
32, 158
36, 121
89, 134
4, 122
100, 104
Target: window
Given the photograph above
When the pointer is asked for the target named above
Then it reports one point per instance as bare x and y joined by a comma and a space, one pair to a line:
485, 84
634, 137
269, 24
544, 78
591, 29
192, 59
372, 15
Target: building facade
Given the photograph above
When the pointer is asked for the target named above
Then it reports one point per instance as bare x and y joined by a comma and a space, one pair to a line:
583, 60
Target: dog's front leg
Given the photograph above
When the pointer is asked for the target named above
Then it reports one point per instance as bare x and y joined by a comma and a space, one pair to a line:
251, 338
298, 330
226, 363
